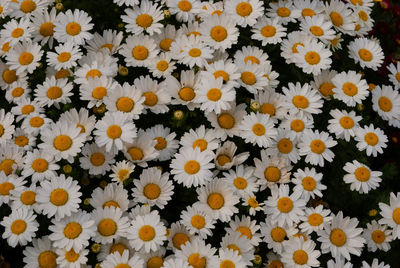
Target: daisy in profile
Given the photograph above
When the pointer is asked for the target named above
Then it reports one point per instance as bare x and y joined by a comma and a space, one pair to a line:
113, 195
191, 167
70, 258
302, 99
341, 16
341, 237
166, 144
247, 228
284, 10
59, 197
41, 254
219, 32
298, 252
73, 27
138, 50
313, 57
162, 66
53, 92
39, 166
7, 127
96, 89
72, 232
391, 214
197, 222
110, 224
81, 119
16, 31
24, 57
110, 42
121, 171
225, 156
141, 149
144, 18
315, 146
20, 227
216, 200
360, 177
343, 124
394, 74
213, 95
197, 253
116, 259
96, 159
377, 236
62, 140
153, 188
315, 219
156, 97
289, 46
191, 51
114, 130
43, 24
147, 232
368, 53
308, 182
65, 57
283, 207
244, 12
241, 180
350, 88
386, 102
258, 129
201, 137
371, 139
268, 31
184, 10
275, 234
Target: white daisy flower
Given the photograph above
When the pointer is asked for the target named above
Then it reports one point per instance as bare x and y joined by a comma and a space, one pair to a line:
247, 228
25, 197
81, 119
118, 245
16, 31
375, 264
241, 180
70, 258
109, 42
258, 129
366, 52
341, 16
251, 54
121, 171
219, 32
244, 12
285, 147
113, 195
42, 253
40, 166
315, 146
65, 57
391, 214
95, 159
386, 101
7, 127
144, 18
138, 50
360, 177
343, 124
271, 103
290, 46
72, 232
153, 259
377, 236
5, 8
20, 227
228, 258
197, 222
17, 91
309, 8
308, 182
127, 3
284, 10
191, 167
141, 149
178, 235
92, 70
110, 224
225, 69
371, 139
184, 10
53, 92
339, 263
394, 76
298, 252
25, 141
9, 76
24, 57
313, 57
43, 24
166, 144
11, 159
28, 8
197, 253
315, 219
323, 82
317, 26
120, 260
147, 232
73, 27
155, 96
275, 234
165, 38
268, 31
252, 77
341, 237
96, 89
162, 66
350, 88
176, 263
204, 139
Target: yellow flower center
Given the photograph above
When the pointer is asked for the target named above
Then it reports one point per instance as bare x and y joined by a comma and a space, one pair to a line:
244, 9
62, 142
18, 227
326, 89
17, 32
151, 99
198, 221
71, 256
59, 197
179, 239
240, 183
378, 236
111, 203
371, 139
218, 33
114, 132
309, 183
227, 264
151, 191
294, 47
155, 262
140, 52
397, 76
346, 122
317, 146
222, 159
234, 248
215, 201
278, 234
315, 219
285, 146
107, 227
162, 65
185, 5
338, 237
258, 129
40, 165
72, 230
223, 74
285, 204
123, 174
108, 46
118, 247
336, 19
248, 78
196, 261
365, 54
28, 198
300, 257
349, 89
268, 31
47, 29
214, 94
186, 94
125, 104
64, 56
122, 265
244, 231
363, 15
54, 93
192, 167
97, 159
396, 215
1, 130
9, 76
283, 12
272, 174
47, 259
144, 20
201, 143
362, 174
268, 108
25, 58
316, 30
83, 130
99, 93
28, 6
73, 28
300, 102
307, 12
252, 59
226, 121
312, 57
357, 2
165, 44
146, 233
195, 52
135, 153
385, 104
63, 73
93, 73
275, 264
6, 46
6, 166
17, 92
161, 143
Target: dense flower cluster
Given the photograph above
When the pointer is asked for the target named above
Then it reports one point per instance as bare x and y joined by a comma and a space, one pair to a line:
196, 64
